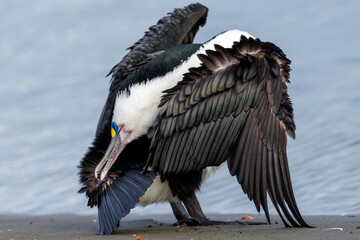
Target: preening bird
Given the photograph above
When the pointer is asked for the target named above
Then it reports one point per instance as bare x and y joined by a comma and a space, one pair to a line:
177, 110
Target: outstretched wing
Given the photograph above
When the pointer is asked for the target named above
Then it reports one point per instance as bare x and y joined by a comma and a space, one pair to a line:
174, 30
234, 107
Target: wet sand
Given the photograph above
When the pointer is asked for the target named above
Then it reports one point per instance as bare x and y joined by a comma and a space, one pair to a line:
161, 227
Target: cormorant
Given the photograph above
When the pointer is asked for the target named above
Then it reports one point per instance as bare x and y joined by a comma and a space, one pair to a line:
177, 110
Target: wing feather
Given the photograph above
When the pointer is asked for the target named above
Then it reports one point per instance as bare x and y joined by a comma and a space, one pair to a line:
195, 132
200, 154
181, 151
223, 131
257, 178
181, 157
264, 181
234, 133
234, 166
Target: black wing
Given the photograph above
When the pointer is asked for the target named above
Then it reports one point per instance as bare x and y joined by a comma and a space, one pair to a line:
174, 30
234, 107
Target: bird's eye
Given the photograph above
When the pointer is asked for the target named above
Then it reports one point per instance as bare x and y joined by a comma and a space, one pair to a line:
114, 129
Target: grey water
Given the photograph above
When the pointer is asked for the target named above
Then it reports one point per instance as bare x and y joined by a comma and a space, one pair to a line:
54, 56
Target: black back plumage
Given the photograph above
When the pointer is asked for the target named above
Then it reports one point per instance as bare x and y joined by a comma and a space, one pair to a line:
234, 107
159, 66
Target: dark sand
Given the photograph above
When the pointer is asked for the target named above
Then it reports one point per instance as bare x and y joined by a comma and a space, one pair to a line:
161, 227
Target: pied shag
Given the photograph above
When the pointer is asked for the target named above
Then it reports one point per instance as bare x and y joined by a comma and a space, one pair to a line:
177, 110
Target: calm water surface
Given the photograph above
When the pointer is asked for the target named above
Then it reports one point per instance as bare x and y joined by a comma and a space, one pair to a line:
54, 57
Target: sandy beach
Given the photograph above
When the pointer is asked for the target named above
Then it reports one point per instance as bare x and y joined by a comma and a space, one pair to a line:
161, 227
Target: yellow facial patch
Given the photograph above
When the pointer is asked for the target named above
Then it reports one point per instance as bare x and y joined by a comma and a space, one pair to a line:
112, 132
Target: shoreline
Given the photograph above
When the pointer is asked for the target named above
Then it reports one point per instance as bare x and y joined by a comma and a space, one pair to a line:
69, 226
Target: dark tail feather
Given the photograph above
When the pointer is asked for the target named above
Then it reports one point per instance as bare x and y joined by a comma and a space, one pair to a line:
120, 197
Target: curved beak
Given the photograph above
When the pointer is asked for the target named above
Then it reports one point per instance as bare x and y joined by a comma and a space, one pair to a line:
117, 145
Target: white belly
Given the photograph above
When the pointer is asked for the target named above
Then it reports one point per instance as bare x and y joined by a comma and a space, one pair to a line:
160, 191
157, 192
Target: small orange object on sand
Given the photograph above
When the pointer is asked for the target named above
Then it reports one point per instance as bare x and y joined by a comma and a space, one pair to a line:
138, 238
247, 218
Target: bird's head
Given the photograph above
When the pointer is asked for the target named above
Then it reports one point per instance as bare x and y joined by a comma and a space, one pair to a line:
119, 139
132, 116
